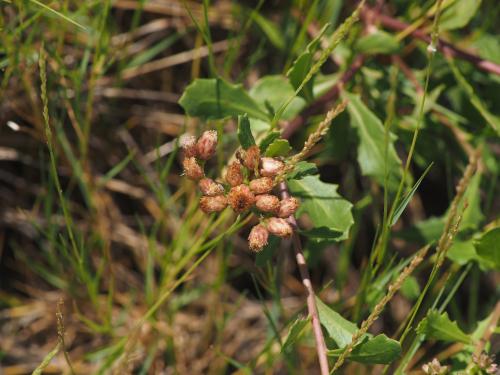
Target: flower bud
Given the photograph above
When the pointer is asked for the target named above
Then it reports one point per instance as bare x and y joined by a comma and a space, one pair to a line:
261, 185
288, 206
207, 144
279, 227
252, 157
234, 175
241, 198
210, 188
188, 145
213, 204
267, 203
270, 167
257, 238
192, 169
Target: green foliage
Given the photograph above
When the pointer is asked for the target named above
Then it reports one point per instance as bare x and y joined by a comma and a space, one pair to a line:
371, 147
488, 247
438, 326
279, 147
377, 42
303, 64
295, 332
244, 132
328, 211
378, 349
214, 98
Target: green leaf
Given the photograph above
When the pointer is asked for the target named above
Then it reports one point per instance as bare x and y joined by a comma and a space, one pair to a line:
488, 247
321, 233
472, 216
377, 350
264, 144
371, 148
399, 210
338, 328
302, 169
462, 252
439, 327
302, 65
214, 98
410, 288
280, 147
294, 333
244, 132
378, 42
458, 14
324, 206
270, 29
490, 118
275, 90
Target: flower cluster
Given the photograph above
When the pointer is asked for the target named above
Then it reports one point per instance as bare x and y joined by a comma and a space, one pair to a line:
249, 184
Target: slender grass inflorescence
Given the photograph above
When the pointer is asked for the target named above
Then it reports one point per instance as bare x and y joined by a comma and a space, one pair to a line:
393, 288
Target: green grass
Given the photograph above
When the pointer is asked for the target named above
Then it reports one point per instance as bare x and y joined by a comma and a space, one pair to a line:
150, 282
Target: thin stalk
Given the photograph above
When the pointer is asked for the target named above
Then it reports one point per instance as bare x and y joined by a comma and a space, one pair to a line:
311, 297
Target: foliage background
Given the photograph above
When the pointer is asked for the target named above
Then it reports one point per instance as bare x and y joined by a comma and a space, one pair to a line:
123, 241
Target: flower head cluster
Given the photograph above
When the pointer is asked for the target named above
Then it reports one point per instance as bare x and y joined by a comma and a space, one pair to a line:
249, 184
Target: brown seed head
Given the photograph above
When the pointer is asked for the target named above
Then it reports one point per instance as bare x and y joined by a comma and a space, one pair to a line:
192, 169
213, 204
261, 185
279, 227
188, 145
257, 238
234, 174
270, 167
252, 157
207, 144
210, 188
288, 206
241, 198
267, 203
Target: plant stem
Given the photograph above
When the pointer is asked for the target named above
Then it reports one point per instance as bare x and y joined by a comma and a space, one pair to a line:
442, 45
311, 298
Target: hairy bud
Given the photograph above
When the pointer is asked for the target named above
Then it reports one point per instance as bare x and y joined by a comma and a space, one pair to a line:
234, 175
192, 169
207, 144
252, 157
279, 227
261, 185
241, 198
288, 206
267, 203
188, 145
210, 188
270, 167
213, 204
257, 238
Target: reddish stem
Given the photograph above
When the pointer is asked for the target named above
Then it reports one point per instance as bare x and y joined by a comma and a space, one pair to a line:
311, 298
447, 48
